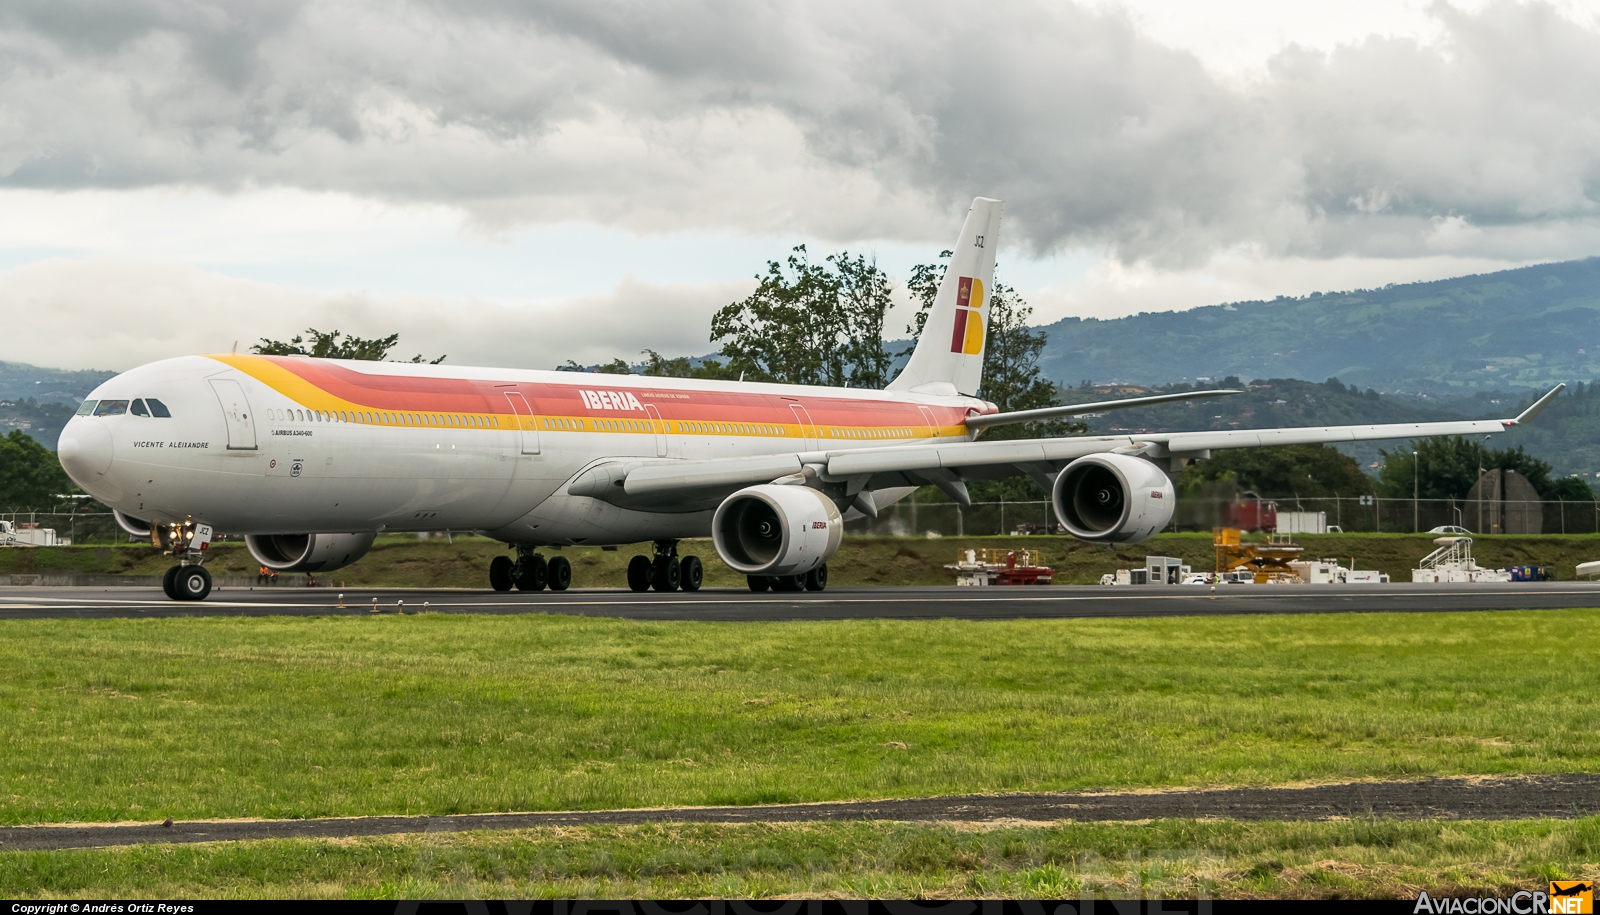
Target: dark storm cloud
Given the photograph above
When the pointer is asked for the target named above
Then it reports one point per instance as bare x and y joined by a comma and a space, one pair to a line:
645, 113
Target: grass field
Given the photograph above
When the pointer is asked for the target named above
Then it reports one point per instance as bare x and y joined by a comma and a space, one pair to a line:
275, 717
408, 562
1168, 859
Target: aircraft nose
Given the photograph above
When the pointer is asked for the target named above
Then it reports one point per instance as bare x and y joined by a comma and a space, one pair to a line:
85, 451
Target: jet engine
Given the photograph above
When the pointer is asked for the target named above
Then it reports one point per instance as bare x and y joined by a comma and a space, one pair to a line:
308, 552
1113, 498
776, 530
134, 526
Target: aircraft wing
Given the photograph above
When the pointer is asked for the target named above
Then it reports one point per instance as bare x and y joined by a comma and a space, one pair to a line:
948, 464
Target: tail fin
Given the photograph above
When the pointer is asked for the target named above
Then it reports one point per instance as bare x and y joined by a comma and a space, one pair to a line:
949, 355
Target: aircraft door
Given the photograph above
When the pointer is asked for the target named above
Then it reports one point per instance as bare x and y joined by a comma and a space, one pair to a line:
807, 428
236, 410
527, 431
927, 417
660, 428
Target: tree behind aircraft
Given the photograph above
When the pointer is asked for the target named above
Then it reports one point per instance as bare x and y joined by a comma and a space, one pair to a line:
328, 345
30, 475
1446, 467
811, 324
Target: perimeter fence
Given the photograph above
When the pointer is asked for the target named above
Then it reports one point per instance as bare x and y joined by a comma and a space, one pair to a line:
1350, 514
907, 518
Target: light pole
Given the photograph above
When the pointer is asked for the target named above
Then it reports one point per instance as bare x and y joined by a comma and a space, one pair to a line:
1415, 527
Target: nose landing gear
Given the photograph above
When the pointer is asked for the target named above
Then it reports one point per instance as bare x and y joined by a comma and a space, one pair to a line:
186, 583
186, 540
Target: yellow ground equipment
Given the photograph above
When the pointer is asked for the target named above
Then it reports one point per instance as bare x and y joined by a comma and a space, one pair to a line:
1266, 561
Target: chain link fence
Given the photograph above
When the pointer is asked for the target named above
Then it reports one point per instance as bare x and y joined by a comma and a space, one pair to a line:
69, 527
1351, 514
909, 518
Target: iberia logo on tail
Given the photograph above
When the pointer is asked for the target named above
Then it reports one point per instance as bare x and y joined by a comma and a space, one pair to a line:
968, 336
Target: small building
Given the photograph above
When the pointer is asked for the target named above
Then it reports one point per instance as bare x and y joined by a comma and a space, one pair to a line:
1302, 523
1164, 570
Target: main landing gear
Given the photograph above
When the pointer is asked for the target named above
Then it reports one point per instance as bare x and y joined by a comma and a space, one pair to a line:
814, 580
529, 571
186, 582
666, 572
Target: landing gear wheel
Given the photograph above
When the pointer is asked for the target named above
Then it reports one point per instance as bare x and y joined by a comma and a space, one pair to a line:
534, 574
168, 583
500, 573
665, 573
690, 573
817, 579
789, 583
192, 583
759, 582
560, 573
639, 568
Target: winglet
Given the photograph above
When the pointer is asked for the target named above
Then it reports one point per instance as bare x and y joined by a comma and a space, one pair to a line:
1538, 407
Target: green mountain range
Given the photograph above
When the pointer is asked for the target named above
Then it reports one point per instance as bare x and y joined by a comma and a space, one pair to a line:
1516, 330
39, 401
1566, 435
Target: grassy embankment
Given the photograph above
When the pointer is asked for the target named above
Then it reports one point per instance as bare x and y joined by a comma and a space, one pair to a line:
1168, 859
407, 562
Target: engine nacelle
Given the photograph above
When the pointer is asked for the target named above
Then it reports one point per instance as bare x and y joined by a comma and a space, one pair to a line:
776, 530
308, 552
1113, 498
132, 525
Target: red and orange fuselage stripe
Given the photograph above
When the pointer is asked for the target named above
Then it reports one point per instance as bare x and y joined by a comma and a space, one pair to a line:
589, 403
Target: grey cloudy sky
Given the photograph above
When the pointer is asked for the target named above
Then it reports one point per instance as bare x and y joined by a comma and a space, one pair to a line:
523, 182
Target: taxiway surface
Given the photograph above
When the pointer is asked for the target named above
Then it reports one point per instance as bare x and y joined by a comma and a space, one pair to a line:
1553, 796
1056, 601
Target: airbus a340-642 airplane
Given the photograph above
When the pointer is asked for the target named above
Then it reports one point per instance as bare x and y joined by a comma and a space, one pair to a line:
311, 459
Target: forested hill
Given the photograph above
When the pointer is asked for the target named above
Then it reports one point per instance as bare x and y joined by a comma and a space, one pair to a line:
1267, 403
19, 380
1512, 330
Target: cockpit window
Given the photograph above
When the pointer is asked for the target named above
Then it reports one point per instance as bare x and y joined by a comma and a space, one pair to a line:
158, 409
111, 408
138, 409
86, 408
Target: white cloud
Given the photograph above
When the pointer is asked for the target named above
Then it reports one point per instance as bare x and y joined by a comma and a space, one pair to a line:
349, 154
116, 315
837, 120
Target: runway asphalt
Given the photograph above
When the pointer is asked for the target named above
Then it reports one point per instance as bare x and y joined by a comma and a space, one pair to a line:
1051, 602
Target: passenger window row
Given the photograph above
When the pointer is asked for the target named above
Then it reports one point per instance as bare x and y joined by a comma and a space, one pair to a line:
733, 428
456, 420
144, 406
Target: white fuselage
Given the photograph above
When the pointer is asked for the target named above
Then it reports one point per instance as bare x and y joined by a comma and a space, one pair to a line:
276, 445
